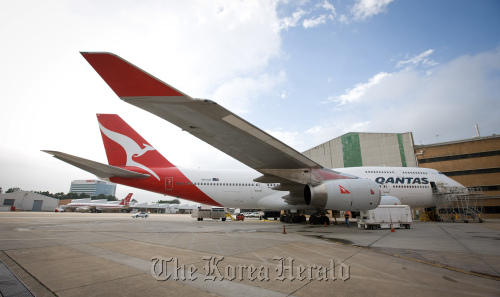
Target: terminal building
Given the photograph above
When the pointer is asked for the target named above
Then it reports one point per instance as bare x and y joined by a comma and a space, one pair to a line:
93, 187
474, 163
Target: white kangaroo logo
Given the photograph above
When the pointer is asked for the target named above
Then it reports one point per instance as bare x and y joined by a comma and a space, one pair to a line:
132, 149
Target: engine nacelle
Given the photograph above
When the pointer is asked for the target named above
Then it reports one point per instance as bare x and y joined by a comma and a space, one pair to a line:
344, 194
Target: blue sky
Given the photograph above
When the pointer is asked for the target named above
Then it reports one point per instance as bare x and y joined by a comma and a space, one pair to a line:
304, 71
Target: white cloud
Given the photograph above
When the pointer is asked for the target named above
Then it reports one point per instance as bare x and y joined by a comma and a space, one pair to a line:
236, 94
448, 101
314, 22
315, 129
327, 6
421, 59
288, 137
365, 9
359, 90
343, 19
283, 95
314, 19
291, 21
209, 49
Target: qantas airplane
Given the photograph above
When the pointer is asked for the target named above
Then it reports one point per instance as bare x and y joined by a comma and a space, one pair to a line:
282, 178
84, 206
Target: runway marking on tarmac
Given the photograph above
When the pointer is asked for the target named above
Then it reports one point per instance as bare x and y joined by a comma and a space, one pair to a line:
492, 277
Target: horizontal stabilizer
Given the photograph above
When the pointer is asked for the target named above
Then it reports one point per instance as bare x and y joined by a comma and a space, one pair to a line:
96, 168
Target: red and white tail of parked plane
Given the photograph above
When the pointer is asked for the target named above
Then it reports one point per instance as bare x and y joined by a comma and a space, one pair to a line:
281, 177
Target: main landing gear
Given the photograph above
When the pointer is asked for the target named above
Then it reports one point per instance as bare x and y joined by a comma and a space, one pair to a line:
318, 218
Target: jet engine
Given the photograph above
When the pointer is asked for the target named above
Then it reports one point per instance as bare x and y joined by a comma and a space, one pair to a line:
343, 194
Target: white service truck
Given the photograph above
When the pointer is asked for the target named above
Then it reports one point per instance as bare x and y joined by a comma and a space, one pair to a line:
384, 216
214, 214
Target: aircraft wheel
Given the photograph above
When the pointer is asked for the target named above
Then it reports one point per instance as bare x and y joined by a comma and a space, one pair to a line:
314, 220
289, 219
407, 226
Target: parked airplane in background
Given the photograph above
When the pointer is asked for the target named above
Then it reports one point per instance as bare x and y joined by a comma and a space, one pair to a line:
282, 177
96, 207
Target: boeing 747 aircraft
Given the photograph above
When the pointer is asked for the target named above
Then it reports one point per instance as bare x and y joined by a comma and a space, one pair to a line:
282, 178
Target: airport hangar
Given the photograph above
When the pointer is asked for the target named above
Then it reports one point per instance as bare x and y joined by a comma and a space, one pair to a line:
472, 162
26, 200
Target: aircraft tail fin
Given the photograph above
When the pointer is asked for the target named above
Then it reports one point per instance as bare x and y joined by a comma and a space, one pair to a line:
126, 200
125, 147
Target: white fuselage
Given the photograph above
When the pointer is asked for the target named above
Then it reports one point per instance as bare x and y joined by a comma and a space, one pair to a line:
413, 186
93, 206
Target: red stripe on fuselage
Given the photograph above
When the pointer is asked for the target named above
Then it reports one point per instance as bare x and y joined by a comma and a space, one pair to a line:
182, 186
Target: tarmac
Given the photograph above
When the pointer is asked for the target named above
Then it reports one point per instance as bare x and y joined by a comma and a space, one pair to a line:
103, 254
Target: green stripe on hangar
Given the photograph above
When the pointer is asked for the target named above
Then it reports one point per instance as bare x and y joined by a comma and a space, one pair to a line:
402, 150
351, 149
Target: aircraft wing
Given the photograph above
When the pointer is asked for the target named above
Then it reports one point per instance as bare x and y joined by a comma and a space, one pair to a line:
204, 119
96, 168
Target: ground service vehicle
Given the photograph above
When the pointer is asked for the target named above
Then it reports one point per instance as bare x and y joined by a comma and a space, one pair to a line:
213, 213
384, 216
266, 214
